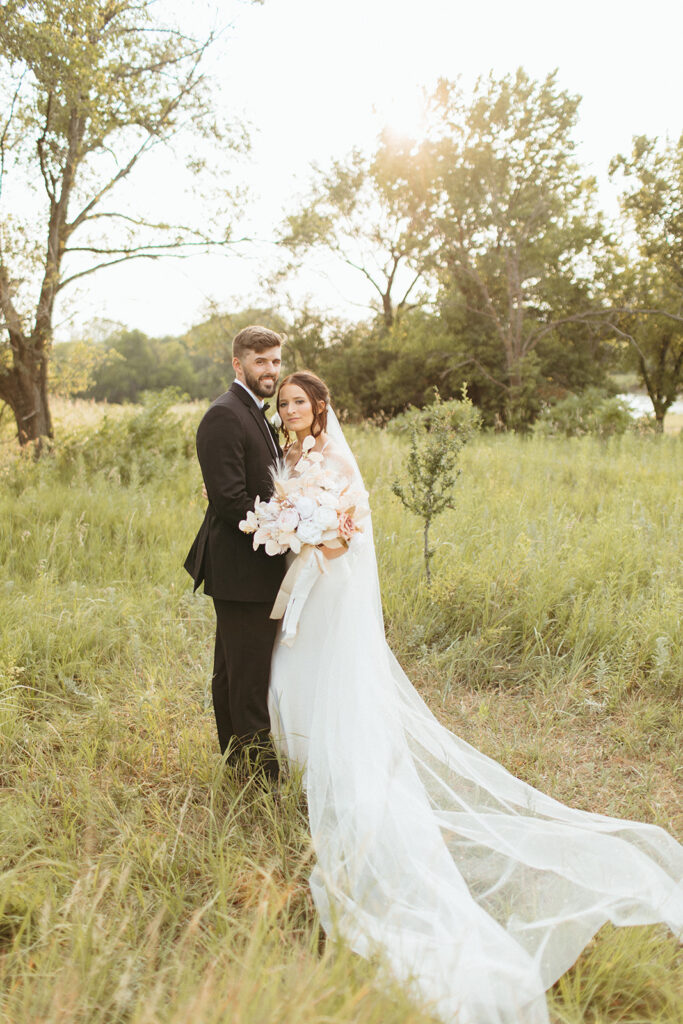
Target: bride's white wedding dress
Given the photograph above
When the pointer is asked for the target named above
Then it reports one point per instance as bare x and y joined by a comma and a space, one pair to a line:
477, 890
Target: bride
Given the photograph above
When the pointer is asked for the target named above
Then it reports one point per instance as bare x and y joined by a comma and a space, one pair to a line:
475, 889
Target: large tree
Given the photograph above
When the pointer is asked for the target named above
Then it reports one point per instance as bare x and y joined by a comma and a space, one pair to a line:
510, 215
360, 212
647, 293
87, 88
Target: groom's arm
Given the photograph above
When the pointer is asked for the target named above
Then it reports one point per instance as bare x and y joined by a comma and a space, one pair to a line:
221, 452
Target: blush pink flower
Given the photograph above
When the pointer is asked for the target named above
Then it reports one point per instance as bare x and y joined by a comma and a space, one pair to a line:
346, 526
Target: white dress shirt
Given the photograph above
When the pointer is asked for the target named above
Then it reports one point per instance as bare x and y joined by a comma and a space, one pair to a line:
260, 403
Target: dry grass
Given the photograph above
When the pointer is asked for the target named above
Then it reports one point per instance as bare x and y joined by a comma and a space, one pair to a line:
673, 423
139, 884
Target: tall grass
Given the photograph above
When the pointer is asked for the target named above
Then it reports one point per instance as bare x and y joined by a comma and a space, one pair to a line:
139, 883
561, 562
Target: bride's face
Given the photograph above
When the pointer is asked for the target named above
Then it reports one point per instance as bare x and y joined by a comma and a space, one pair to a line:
295, 409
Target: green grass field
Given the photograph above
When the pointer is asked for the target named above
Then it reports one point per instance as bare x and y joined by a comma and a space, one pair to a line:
140, 885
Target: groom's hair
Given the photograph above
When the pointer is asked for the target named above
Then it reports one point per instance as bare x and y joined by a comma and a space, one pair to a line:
254, 339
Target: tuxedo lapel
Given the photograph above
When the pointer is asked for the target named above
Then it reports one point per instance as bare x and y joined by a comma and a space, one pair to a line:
259, 418
264, 428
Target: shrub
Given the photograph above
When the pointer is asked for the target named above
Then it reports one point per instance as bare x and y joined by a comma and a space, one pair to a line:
463, 418
592, 412
139, 447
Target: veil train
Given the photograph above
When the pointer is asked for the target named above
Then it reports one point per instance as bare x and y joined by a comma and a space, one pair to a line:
477, 890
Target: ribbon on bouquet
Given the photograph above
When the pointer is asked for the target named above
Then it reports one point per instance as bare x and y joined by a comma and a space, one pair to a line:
294, 590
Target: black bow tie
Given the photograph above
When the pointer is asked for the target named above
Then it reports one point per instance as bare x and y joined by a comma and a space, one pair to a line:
265, 406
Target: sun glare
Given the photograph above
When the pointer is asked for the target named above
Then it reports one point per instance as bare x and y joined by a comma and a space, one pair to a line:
404, 116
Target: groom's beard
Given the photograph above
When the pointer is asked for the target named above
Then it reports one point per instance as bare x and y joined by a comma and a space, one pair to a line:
263, 386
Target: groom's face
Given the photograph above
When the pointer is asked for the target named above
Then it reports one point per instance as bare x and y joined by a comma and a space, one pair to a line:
260, 371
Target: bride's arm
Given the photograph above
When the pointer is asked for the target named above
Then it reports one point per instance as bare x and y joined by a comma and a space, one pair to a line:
333, 552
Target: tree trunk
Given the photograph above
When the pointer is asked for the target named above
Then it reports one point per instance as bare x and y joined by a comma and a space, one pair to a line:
24, 388
656, 384
427, 552
387, 309
660, 412
515, 392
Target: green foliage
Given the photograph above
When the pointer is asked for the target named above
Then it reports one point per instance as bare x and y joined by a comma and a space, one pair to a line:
136, 364
123, 364
74, 367
647, 294
496, 220
418, 357
375, 373
558, 567
350, 360
655, 201
592, 412
437, 435
139, 448
208, 347
460, 416
509, 218
143, 445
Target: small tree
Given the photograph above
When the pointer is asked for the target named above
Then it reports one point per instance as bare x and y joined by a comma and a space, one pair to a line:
438, 434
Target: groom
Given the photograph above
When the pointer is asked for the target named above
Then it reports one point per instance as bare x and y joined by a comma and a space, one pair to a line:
237, 448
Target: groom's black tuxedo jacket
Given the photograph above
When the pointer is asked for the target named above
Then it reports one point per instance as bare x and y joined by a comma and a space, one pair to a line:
236, 450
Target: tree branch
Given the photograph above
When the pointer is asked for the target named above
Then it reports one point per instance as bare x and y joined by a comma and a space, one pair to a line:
124, 250
645, 312
364, 272
153, 137
138, 222
402, 304
122, 259
3, 138
48, 178
150, 141
12, 319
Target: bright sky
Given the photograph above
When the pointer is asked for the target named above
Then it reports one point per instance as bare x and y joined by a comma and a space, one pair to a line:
316, 77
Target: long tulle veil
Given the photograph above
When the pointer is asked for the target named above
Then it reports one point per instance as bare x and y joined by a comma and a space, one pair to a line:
470, 885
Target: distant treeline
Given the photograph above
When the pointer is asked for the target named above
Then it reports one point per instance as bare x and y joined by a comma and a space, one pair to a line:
371, 373
119, 365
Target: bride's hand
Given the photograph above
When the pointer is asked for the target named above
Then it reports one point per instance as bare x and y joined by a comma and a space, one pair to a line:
205, 493
332, 552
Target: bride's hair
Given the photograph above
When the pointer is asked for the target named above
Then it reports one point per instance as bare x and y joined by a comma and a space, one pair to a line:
316, 391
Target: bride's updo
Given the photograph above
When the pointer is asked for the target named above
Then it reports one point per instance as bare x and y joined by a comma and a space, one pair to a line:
316, 392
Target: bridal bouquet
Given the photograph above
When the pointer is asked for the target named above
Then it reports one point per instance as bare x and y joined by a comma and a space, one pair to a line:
311, 505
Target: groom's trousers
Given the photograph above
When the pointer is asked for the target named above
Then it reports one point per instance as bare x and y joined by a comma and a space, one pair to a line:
245, 635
